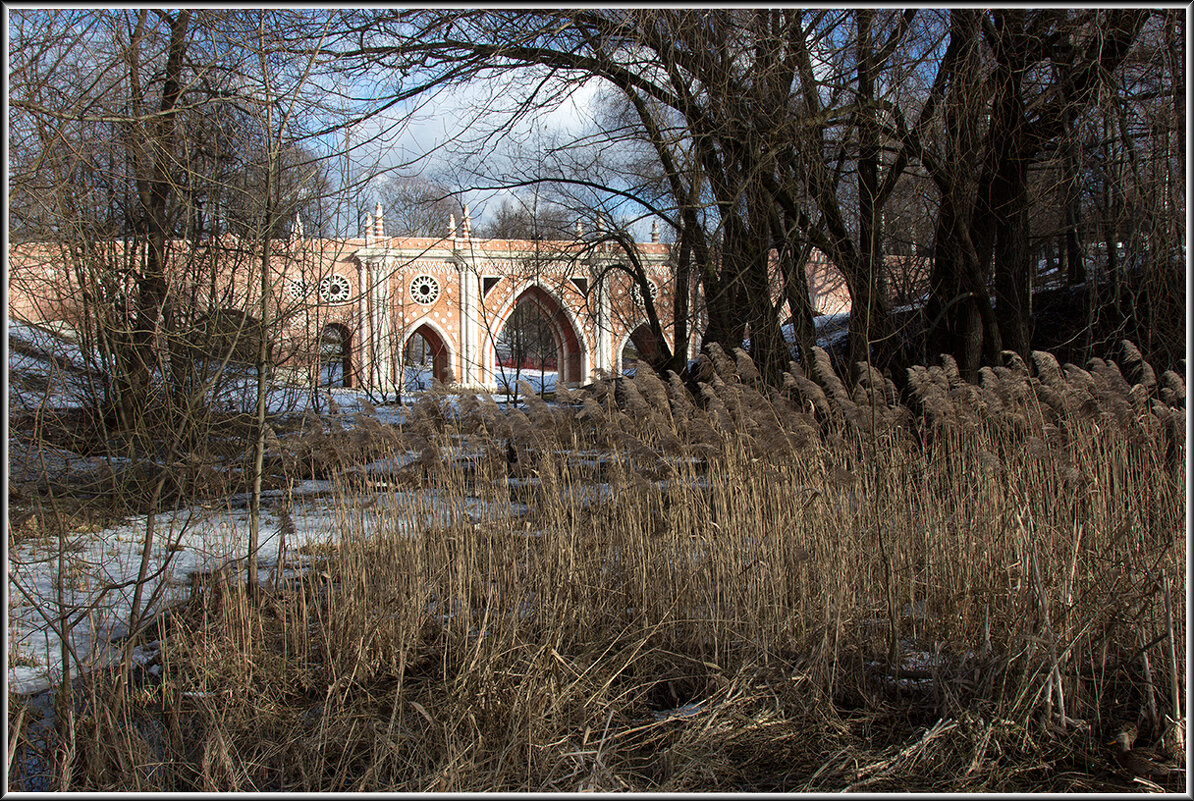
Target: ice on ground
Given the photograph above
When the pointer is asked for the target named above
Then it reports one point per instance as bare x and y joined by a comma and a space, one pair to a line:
540, 380
88, 592
93, 589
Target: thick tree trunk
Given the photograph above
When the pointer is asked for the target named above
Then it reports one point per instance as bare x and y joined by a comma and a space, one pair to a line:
866, 281
1075, 268
767, 347
796, 288
154, 191
681, 305
725, 293
1007, 194
1013, 288
961, 320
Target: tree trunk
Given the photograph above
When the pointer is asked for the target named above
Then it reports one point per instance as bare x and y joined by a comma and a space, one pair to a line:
793, 260
961, 320
1075, 268
723, 293
154, 191
1008, 200
768, 350
868, 318
1013, 289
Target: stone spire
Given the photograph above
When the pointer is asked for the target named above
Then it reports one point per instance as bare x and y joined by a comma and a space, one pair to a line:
368, 229
580, 228
451, 226
379, 226
296, 232
654, 230
467, 226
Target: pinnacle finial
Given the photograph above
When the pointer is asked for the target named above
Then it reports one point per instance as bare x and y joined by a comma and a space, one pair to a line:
379, 226
654, 230
468, 223
451, 226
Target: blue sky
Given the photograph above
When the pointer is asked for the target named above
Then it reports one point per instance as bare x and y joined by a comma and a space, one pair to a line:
457, 135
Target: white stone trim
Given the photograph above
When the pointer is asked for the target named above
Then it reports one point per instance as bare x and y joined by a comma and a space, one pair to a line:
453, 353
501, 317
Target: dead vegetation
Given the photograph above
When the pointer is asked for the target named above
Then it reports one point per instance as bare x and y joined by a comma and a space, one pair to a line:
821, 587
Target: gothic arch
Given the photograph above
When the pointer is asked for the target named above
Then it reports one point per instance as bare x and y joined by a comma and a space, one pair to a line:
573, 351
644, 343
335, 356
442, 352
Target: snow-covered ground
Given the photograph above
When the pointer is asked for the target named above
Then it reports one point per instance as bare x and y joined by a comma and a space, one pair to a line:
52, 372
540, 380
44, 367
47, 369
99, 567
80, 587
97, 571
93, 587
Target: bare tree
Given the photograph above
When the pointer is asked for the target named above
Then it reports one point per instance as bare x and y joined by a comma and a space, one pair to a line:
518, 218
157, 174
413, 206
990, 119
711, 95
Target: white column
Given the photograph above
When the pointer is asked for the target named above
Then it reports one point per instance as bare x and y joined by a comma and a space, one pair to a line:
376, 302
472, 327
464, 367
381, 324
364, 341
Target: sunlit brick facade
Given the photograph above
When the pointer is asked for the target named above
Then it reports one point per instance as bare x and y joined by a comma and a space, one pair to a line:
372, 295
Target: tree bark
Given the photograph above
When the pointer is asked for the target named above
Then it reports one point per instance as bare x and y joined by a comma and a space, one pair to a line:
153, 183
1007, 192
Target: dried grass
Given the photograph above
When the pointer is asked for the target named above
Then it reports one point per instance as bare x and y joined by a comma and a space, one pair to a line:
803, 589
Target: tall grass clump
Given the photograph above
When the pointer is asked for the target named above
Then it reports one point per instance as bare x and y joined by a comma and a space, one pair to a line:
822, 586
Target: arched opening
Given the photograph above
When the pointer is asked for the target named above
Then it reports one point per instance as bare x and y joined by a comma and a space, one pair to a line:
424, 357
335, 356
538, 337
640, 349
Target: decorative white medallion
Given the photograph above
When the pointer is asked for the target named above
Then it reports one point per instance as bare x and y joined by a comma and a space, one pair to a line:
424, 289
335, 289
297, 290
637, 293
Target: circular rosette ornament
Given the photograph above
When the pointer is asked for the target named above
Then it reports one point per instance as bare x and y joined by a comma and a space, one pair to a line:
335, 289
424, 289
636, 293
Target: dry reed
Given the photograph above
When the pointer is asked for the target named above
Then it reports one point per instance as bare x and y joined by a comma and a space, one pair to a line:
810, 588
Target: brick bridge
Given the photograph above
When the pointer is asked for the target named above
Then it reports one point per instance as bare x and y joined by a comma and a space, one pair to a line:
350, 308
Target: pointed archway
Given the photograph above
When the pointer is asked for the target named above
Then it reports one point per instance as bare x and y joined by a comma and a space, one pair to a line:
639, 346
541, 311
335, 356
426, 350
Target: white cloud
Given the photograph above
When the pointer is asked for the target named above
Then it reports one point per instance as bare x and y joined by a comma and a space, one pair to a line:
462, 136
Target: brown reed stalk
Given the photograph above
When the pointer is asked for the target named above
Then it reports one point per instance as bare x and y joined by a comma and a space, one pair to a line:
750, 554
